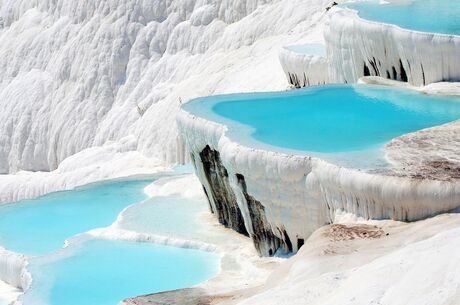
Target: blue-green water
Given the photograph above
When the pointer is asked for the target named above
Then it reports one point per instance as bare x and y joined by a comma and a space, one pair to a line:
40, 226
94, 271
102, 272
326, 119
155, 216
438, 16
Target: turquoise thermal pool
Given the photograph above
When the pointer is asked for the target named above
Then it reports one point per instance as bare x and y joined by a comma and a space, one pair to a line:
96, 271
102, 272
437, 16
326, 120
41, 225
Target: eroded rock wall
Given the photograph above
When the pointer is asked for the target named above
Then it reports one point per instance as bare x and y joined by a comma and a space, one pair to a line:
80, 74
303, 70
269, 189
284, 198
357, 47
219, 191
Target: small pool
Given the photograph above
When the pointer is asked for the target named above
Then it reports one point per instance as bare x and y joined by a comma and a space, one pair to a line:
102, 272
154, 217
437, 16
41, 225
95, 271
317, 49
350, 121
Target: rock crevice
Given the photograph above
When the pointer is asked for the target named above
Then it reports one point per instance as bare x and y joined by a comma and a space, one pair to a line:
221, 197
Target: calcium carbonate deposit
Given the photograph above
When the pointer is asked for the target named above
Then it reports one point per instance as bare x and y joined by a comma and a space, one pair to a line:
92, 90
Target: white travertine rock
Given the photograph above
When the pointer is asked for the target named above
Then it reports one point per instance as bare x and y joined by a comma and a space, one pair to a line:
76, 74
300, 194
355, 45
12, 269
110, 161
382, 262
303, 69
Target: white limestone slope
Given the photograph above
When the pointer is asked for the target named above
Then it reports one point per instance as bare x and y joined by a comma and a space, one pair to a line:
8, 293
360, 264
388, 51
12, 268
76, 74
110, 161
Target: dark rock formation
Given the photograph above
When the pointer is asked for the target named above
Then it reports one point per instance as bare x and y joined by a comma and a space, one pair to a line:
403, 72
265, 241
227, 209
229, 214
366, 71
395, 74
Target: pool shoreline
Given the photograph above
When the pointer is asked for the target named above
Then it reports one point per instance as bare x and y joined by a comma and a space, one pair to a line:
300, 193
115, 232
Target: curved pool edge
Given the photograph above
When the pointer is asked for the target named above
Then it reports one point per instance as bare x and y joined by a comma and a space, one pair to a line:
419, 58
281, 198
14, 265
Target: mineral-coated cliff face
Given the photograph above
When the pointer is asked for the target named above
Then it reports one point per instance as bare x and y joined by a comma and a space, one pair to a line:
357, 47
223, 199
265, 241
80, 74
284, 198
304, 70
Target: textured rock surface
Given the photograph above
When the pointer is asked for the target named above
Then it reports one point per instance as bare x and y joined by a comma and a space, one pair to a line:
398, 264
220, 195
290, 196
304, 70
357, 47
265, 241
189, 296
76, 74
430, 153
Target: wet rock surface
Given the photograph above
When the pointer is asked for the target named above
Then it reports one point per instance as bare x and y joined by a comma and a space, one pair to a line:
226, 206
265, 241
431, 153
189, 296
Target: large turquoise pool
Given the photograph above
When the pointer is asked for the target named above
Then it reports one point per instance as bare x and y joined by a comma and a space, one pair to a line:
95, 271
326, 120
438, 16
102, 272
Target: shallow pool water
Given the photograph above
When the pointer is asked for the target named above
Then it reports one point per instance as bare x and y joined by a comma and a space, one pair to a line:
167, 216
317, 49
439, 16
94, 271
326, 120
41, 225
102, 272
